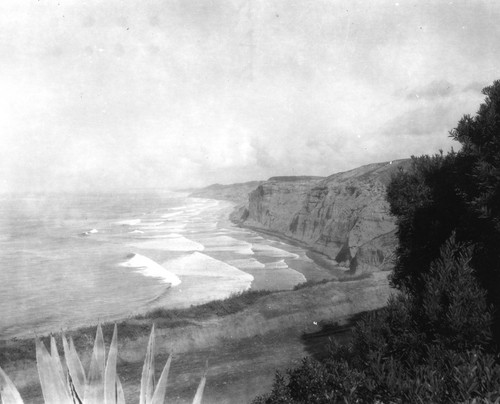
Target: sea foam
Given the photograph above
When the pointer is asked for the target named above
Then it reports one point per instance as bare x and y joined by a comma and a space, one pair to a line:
199, 264
129, 222
171, 214
273, 252
281, 264
148, 267
89, 232
150, 224
249, 263
179, 243
226, 243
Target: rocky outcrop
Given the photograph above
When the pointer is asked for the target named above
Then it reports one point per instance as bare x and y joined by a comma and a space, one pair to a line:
345, 216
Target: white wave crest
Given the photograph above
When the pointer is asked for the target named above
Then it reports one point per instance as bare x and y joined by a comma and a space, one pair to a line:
226, 243
199, 264
171, 214
170, 244
89, 232
249, 263
273, 252
148, 267
281, 264
151, 224
129, 222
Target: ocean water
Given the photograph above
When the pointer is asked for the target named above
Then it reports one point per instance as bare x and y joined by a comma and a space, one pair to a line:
72, 260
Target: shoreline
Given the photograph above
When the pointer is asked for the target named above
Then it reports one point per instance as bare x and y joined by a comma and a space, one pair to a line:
245, 337
226, 209
317, 257
314, 256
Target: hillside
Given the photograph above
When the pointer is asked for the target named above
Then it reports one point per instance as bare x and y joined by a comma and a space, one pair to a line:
237, 193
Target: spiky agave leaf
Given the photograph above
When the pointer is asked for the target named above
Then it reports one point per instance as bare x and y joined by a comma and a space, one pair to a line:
148, 371
161, 388
120, 395
72, 391
110, 389
8, 392
54, 388
75, 368
94, 389
56, 360
199, 392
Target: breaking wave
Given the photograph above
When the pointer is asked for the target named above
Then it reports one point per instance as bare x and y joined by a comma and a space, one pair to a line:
148, 267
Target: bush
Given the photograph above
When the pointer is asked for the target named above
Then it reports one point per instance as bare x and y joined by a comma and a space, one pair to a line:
453, 308
417, 349
446, 377
457, 192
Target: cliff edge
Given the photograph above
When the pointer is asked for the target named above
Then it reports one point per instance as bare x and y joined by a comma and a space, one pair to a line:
345, 217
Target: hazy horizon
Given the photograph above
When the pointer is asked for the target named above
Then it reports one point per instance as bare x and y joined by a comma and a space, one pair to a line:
115, 95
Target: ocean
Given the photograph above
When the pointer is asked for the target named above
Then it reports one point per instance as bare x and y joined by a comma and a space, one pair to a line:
70, 260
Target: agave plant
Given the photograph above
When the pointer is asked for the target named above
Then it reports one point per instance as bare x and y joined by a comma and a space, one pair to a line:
100, 385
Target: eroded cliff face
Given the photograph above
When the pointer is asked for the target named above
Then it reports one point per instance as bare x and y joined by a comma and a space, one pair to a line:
344, 217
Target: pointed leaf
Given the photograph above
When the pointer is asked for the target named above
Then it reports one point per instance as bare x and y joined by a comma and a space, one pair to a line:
161, 388
8, 392
110, 374
53, 387
148, 371
94, 390
199, 393
120, 395
72, 391
56, 360
74, 366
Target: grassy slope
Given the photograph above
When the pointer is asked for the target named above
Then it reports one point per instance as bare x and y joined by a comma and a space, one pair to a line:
245, 339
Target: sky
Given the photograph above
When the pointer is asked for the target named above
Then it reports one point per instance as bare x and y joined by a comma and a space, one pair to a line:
120, 94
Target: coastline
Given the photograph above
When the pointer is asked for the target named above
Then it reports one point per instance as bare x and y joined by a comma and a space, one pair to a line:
268, 332
319, 258
245, 338
332, 273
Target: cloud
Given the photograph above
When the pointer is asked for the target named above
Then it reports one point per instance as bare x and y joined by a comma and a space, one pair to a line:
431, 117
182, 92
475, 87
419, 121
435, 89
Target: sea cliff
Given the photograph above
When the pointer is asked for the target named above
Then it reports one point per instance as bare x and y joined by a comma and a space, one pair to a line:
344, 218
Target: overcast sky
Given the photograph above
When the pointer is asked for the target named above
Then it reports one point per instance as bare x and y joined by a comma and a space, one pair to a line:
115, 94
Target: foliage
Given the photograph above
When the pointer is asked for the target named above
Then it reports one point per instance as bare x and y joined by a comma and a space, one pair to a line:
457, 192
480, 139
101, 384
429, 349
446, 377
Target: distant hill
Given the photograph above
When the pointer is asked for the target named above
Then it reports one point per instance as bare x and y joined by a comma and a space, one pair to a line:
237, 193
296, 178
